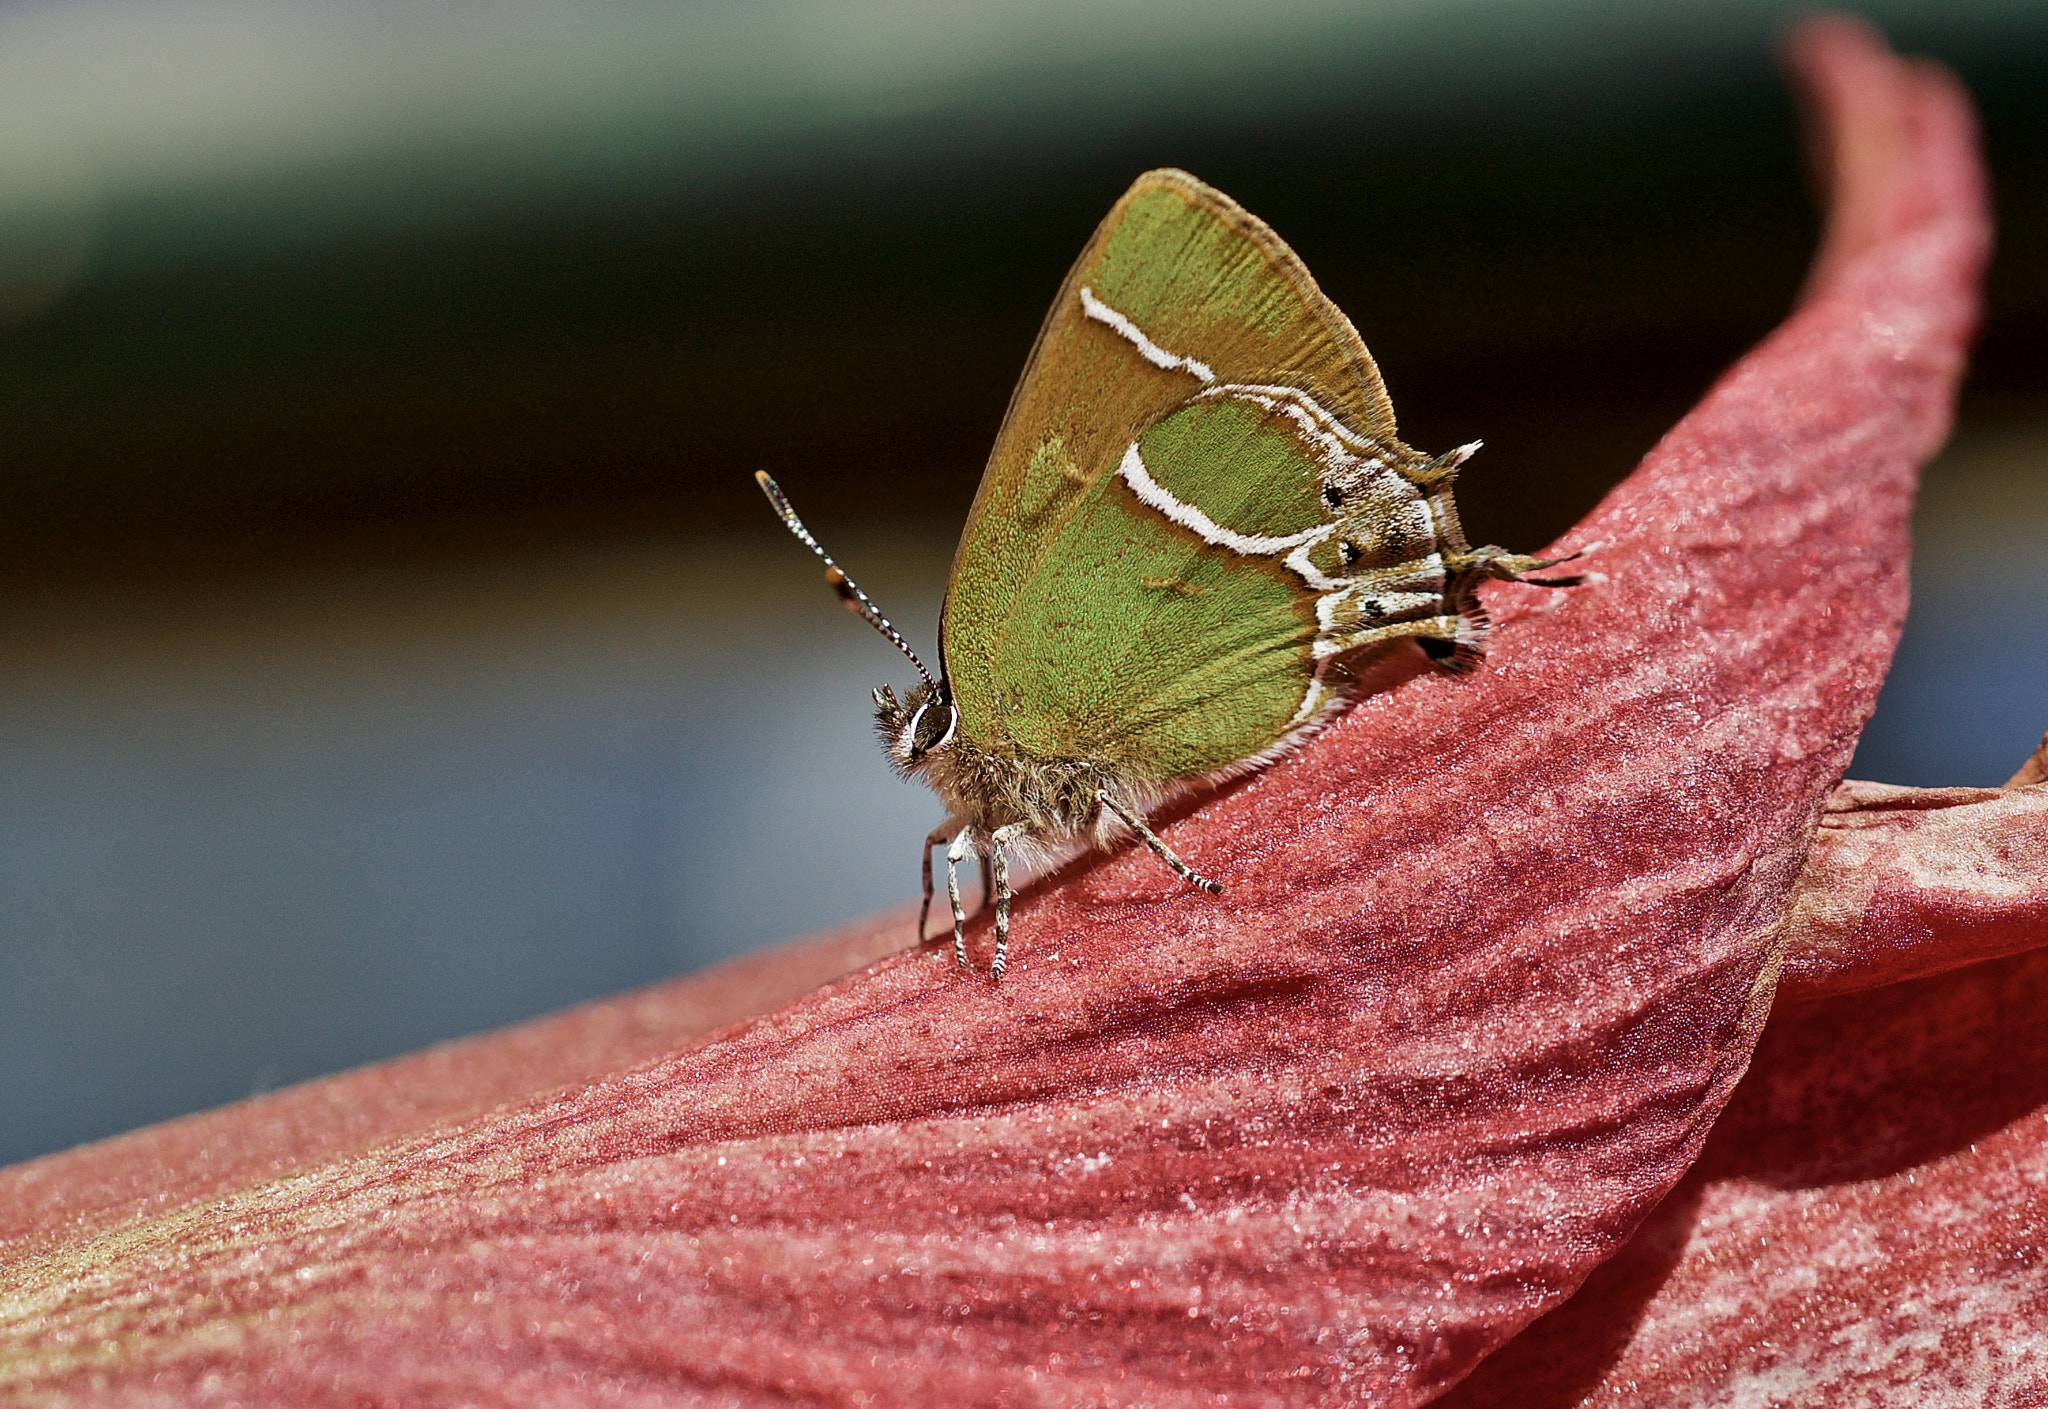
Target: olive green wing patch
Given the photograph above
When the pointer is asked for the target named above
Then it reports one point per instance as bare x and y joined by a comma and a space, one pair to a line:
1147, 644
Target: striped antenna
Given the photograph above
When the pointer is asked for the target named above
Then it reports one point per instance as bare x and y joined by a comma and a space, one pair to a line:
856, 601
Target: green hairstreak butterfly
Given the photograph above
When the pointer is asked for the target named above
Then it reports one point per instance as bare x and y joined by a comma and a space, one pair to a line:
1196, 534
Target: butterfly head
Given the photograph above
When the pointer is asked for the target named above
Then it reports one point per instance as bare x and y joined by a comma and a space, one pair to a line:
916, 726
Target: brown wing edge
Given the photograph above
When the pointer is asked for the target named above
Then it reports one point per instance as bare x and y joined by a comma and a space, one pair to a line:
1380, 408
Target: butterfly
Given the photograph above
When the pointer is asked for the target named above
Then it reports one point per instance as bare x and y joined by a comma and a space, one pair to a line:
1196, 537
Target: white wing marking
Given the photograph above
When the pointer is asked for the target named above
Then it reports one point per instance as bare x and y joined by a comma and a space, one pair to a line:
1149, 350
1336, 443
1155, 495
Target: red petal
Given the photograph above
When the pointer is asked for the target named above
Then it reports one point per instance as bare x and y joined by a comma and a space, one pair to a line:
1865, 1226
1493, 955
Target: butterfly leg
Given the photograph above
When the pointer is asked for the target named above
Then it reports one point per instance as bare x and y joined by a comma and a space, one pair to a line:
1159, 848
999, 882
988, 883
944, 832
960, 850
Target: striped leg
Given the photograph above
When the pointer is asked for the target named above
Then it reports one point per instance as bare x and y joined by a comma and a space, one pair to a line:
944, 832
999, 879
960, 850
1159, 848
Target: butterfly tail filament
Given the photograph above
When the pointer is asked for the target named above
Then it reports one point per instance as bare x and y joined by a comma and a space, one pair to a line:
1516, 567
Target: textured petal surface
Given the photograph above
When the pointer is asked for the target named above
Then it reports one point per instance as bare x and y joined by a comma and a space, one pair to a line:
1867, 1226
81, 1192
1905, 882
1493, 955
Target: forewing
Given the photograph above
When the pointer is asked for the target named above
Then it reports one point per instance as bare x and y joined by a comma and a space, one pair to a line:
1187, 290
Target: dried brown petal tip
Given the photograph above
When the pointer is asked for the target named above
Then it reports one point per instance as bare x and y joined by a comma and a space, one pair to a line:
1906, 882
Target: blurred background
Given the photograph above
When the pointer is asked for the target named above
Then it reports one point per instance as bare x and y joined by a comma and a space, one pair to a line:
392, 642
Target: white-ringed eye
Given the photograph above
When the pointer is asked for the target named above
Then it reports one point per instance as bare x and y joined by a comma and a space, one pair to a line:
915, 733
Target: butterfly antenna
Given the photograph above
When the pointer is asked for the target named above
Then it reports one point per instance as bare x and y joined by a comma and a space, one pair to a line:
856, 601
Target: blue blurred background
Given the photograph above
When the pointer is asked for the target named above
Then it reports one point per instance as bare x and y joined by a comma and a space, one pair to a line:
392, 642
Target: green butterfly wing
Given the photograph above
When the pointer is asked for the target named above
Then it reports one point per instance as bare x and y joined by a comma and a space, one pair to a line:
1196, 501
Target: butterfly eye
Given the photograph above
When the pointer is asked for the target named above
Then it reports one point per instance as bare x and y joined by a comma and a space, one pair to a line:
931, 727
1333, 496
